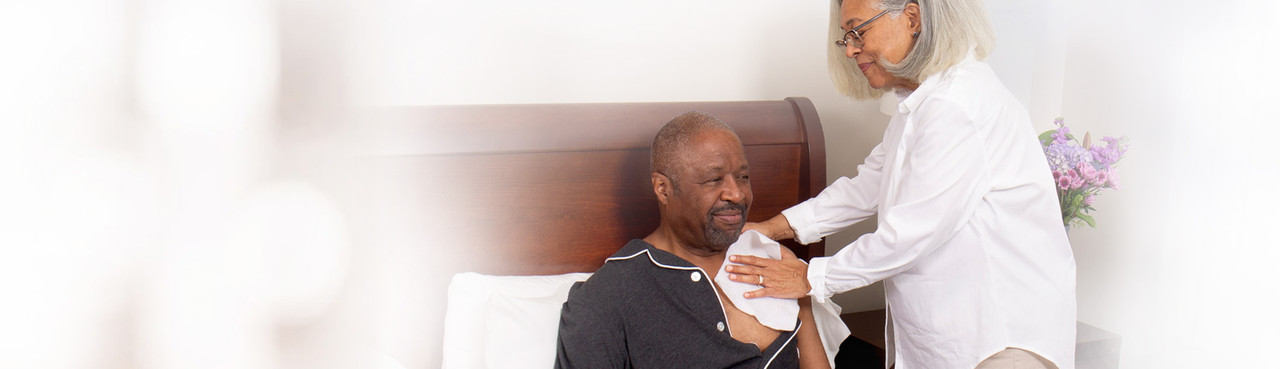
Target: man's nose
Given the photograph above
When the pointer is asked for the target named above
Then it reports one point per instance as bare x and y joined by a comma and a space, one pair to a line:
732, 192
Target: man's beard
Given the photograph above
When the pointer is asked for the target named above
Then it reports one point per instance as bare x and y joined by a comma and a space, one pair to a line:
718, 238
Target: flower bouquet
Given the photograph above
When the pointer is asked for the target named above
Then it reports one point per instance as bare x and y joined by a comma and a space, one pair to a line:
1081, 171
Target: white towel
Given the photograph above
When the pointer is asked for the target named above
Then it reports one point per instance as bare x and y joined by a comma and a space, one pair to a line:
773, 312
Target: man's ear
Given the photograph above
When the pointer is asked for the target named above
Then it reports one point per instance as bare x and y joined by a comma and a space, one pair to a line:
661, 186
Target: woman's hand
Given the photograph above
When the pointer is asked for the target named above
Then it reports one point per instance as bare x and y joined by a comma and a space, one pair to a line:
775, 228
786, 278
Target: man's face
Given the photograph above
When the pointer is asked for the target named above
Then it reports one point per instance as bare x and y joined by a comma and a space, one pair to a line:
712, 193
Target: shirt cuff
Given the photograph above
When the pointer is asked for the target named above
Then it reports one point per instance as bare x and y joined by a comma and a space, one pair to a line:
803, 222
818, 280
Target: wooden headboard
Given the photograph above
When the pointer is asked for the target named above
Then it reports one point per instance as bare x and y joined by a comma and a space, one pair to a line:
557, 188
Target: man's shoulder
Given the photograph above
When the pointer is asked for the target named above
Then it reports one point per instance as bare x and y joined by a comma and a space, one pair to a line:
632, 257
618, 270
633, 249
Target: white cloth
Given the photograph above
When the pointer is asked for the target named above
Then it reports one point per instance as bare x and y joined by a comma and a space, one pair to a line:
831, 329
773, 312
969, 239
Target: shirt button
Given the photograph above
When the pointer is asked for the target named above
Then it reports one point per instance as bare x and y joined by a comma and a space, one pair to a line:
695, 276
720, 326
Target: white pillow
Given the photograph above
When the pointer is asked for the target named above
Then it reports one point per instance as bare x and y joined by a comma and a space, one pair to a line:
504, 321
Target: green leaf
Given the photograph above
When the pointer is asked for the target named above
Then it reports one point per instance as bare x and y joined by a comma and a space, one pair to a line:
1088, 219
1046, 138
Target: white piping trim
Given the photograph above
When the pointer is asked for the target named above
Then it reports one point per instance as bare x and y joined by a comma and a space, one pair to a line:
724, 314
655, 262
784, 345
612, 258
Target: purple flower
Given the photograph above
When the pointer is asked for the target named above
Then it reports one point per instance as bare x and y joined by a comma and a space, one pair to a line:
1088, 200
1060, 137
1109, 154
1066, 155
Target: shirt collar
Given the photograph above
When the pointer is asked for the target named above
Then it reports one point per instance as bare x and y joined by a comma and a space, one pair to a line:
639, 248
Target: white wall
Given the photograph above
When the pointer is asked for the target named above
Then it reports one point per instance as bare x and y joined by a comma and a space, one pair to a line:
1182, 262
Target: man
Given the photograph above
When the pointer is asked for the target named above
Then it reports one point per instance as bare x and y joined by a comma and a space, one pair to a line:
654, 303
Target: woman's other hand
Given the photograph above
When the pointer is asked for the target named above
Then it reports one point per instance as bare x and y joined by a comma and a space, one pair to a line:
775, 228
758, 227
786, 278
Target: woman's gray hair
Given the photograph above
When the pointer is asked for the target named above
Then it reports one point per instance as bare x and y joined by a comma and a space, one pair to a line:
948, 28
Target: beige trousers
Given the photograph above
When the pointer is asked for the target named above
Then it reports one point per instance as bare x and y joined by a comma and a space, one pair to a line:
1012, 358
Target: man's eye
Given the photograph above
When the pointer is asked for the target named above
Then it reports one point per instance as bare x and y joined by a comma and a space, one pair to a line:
744, 177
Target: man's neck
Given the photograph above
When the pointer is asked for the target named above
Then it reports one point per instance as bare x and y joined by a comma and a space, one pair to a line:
665, 240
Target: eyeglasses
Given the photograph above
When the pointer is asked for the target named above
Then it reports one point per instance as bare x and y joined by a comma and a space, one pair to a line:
853, 38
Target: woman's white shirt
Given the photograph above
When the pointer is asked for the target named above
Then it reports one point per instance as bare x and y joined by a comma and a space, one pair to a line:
969, 239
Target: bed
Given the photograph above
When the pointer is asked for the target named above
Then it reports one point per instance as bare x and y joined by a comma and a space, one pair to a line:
520, 201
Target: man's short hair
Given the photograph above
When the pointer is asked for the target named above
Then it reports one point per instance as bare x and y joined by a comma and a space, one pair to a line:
674, 137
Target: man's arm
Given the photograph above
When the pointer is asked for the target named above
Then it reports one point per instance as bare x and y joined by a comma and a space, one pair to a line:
589, 337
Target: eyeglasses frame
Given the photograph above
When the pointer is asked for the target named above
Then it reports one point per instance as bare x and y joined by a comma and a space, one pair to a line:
854, 31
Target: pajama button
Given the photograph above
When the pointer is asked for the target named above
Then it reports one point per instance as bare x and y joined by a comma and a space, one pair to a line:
696, 276
720, 326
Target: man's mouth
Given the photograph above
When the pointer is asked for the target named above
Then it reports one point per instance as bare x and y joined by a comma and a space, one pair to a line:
730, 215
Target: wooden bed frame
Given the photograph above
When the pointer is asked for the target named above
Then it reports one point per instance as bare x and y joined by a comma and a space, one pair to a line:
557, 188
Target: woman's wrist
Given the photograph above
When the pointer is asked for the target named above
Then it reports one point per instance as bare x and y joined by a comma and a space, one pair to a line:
780, 228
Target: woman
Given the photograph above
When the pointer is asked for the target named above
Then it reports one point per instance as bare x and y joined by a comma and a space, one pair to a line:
976, 264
